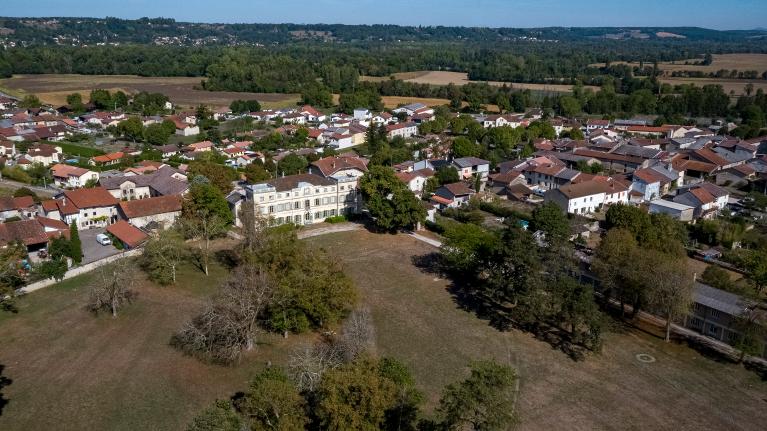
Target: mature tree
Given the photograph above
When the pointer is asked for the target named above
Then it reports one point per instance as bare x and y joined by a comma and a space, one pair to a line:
716, 276
631, 218
218, 175
157, 134
390, 201
273, 403
669, 286
357, 335
101, 99
132, 128
484, 401
163, 253
317, 94
229, 324
255, 172
550, 219
75, 102
403, 415
221, 416
615, 262
756, 269
59, 248
751, 332
10, 272
312, 292
309, 363
30, 101
244, 106
292, 164
572, 305
113, 287
447, 175
75, 246
464, 244
463, 147
53, 268
355, 396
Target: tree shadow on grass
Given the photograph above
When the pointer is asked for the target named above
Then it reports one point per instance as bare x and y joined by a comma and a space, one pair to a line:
4, 381
498, 316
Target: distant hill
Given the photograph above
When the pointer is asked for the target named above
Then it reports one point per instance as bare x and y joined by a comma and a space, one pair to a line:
165, 31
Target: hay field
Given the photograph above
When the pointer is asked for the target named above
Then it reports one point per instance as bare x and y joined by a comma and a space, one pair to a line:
54, 88
740, 62
434, 77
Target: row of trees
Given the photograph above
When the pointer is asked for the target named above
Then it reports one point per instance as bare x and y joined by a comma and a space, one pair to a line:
519, 280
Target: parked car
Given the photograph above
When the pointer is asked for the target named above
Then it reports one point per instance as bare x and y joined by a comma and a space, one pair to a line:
103, 239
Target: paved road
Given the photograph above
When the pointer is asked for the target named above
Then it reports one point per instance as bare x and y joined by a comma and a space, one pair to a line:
92, 250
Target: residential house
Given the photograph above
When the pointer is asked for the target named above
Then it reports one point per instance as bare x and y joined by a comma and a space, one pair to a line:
736, 176
44, 154
592, 125
31, 233
72, 176
588, 196
707, 199
108, 159
415, 180
469, 167
452, 195
203, 146
404, 130
87, 208
20, 207
184, 128
158, 212
715, 313
646, 183
163, 182
169, 150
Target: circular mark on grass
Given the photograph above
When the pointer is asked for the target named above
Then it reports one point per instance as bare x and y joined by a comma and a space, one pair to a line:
644, 357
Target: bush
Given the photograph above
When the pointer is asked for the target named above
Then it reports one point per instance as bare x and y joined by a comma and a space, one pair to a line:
17, 174
335, 219
434, 227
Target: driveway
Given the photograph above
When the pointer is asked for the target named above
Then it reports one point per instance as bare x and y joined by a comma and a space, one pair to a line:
92, 250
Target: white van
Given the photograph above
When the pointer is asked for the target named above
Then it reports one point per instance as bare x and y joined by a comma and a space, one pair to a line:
103, 239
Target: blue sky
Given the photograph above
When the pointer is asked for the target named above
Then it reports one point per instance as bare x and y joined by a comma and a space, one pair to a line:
718, 14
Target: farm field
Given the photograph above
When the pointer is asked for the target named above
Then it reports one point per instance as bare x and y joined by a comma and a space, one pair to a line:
418, 321
459, 78
73, 371
54, 89
736, 86
740, 62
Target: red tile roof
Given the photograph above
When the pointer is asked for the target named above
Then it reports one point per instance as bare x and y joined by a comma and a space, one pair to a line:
151, 206
90, 198
330, 165
127, 234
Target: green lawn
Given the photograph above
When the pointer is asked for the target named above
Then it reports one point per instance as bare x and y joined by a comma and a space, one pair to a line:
74, 371
418, 321
78, 150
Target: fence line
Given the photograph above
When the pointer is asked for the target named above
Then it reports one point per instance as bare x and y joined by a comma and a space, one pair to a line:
74, 272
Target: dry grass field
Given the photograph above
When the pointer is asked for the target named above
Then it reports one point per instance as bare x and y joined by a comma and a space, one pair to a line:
418, 321
54, 89
740, 62
73, 371
459, 78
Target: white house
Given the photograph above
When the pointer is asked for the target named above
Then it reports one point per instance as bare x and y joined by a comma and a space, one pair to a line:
676, 210
415, 180
404, 130
470, 166
72, 176
88, 208
588, 196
